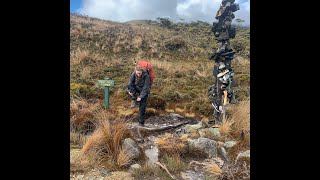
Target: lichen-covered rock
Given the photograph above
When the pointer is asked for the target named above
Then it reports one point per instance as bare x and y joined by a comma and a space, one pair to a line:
204, 145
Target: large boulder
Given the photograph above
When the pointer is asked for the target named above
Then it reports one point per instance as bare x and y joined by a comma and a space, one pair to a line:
131, 148
223, 153
135, 167
229, 144
188, 128
152, 154
205, 146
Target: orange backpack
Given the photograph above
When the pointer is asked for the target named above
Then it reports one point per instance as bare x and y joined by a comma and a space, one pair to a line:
146, 66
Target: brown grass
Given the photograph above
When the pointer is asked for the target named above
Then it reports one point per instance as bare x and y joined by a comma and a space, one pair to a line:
214, 169
123, 158
169, 144
78, 56
225, 127
82, 114
179, 110
78, 138
104, 145
241, 121
190, 115
240, 129
85, 73
194, 134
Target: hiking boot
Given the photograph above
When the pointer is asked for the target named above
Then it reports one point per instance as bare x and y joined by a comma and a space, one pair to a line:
133, 104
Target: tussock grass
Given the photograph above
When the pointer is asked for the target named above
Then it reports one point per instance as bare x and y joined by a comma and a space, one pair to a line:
104, 145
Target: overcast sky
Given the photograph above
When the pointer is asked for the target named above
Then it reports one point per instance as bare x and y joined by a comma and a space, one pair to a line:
125, 10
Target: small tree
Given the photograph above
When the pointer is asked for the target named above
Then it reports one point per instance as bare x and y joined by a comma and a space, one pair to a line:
165, 22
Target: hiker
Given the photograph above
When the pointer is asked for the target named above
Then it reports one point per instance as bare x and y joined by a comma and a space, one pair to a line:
139, 89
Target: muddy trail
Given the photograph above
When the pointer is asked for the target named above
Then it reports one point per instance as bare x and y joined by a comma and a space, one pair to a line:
208, 148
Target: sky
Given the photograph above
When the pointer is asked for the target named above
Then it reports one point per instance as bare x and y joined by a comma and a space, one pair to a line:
176, 10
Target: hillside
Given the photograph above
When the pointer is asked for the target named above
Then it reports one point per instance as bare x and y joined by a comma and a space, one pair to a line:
179, 55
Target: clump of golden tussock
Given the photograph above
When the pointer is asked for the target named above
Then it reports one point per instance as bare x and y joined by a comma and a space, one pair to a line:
214, 169
169, 110
85, 73
205, 120
179, 110
241, 121
184, 137
82, 115
78, 138
194, 134
102, 115
225, 127
123, 158
170, 144
190, 115
104, 145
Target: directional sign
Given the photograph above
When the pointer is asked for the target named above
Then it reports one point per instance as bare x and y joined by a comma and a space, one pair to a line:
106, 83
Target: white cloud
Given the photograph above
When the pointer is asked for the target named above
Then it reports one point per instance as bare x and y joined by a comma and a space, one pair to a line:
190, 10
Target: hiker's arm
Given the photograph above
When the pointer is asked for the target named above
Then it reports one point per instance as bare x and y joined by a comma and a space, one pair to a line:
131, 82
146, 87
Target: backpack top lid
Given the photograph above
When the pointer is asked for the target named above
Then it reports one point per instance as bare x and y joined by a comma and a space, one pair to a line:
147, 66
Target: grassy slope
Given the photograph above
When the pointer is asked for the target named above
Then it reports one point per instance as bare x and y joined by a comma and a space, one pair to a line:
107, 49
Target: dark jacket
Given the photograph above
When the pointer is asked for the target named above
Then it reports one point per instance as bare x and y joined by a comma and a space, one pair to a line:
142, 84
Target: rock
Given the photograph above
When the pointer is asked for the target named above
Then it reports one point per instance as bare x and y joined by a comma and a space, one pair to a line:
243, 155
152, 155
229, 144
104, 172
218, 161
204, 145
131, 148
188, 128
215, 132
151, 138
135, 166
191, 175
223, 153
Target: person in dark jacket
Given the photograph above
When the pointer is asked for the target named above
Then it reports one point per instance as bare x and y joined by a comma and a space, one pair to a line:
139, 89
